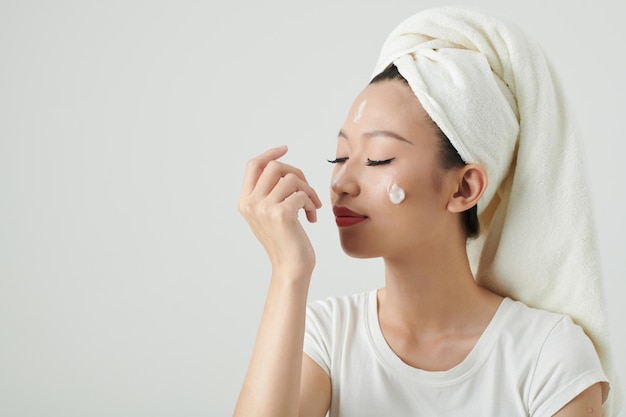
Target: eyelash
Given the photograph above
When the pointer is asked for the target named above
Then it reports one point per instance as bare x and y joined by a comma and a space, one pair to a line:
369, 163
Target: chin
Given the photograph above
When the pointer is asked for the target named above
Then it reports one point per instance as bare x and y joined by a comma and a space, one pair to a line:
358, 248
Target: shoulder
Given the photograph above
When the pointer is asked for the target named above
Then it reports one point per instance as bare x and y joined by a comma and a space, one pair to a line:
534, 327
560, 359
339, 308
334, 323
548, 340
531, 315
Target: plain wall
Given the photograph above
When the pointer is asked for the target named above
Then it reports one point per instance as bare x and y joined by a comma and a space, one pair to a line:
129, 284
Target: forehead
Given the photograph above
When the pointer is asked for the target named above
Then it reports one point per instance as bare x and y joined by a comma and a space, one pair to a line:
389, 99
388, 105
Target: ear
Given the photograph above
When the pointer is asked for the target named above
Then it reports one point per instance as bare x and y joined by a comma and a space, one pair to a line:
471, 183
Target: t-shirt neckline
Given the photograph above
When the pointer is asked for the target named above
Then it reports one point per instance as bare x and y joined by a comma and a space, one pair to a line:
465, 369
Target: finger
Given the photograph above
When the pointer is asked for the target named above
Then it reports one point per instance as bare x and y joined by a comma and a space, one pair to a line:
255, 167
274, 173
290, 184
301, 200
291, 188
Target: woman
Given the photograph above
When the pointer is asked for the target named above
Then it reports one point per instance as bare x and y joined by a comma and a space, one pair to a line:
459, 108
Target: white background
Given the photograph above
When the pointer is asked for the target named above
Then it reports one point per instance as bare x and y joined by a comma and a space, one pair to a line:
129, 284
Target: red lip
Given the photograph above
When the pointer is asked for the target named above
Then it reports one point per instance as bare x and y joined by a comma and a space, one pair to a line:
345, 217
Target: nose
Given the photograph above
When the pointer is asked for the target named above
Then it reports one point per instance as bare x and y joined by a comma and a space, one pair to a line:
344, 182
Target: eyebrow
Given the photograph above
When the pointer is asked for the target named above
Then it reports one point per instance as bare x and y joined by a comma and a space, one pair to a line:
378, 133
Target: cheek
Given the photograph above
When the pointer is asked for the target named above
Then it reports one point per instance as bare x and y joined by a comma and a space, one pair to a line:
387, 189
395, 192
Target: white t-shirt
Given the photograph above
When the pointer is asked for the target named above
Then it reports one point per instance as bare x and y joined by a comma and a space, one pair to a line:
528, 362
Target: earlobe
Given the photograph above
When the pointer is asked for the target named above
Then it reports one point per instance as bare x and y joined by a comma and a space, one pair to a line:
471, 183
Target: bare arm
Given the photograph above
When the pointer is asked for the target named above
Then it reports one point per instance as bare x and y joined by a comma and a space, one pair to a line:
315, 389
587, 404
279, 379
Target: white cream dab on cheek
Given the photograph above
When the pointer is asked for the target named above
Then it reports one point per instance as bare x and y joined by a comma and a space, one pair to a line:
359, 111
396, 193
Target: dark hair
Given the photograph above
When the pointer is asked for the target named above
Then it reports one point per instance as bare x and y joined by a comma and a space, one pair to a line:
449, 157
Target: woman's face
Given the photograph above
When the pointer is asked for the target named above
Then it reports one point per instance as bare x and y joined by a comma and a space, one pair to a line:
388, 139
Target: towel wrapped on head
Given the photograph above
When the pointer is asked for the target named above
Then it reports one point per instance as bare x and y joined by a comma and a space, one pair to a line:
491, 91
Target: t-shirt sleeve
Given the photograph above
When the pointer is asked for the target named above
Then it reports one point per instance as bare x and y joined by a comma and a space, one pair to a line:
318, 328
567, 365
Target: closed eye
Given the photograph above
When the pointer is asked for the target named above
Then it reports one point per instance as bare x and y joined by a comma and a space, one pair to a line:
371, 163
338, 160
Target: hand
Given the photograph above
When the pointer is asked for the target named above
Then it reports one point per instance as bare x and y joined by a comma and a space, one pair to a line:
272, 195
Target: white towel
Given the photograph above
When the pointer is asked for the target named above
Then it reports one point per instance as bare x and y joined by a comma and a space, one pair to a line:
492, 92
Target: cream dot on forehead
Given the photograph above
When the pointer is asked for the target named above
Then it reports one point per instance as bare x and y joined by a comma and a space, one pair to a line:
359, 111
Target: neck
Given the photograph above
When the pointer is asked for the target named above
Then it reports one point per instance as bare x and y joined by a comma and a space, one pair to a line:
433, 292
